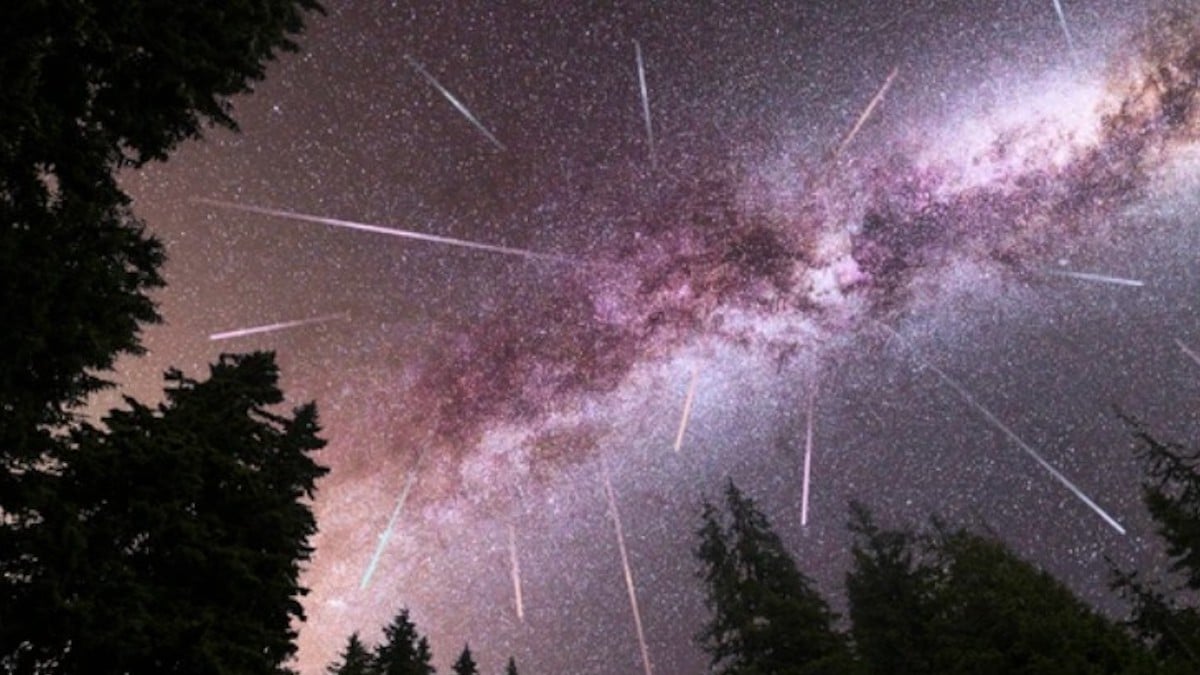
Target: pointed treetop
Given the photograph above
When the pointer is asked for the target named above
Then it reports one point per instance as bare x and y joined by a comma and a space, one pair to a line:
465, 665
355, 659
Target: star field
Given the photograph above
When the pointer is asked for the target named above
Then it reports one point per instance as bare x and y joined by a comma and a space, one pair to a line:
759, 253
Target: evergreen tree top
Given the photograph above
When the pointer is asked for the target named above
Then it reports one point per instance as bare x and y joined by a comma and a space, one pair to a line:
404, 651
465, 665
355, 659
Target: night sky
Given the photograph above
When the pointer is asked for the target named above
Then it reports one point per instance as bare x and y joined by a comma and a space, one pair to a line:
816, 176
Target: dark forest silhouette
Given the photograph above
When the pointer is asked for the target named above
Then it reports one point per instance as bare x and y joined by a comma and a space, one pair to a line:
170, 539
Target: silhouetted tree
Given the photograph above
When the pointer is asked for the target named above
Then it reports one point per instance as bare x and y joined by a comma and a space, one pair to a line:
511, 669
996, 613
766, 616
1164, 613
465, 665
954, 601
889, 598
355, 659
176, 542
90, 88
404, 651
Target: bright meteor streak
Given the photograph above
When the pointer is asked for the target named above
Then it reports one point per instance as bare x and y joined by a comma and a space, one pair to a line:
1098, 278
687, 409
1012, 436
270, 328
808, 447
387, 533
633, 601
1062, 21
379, 229
453, 101
515, 565
641, 68
866, 113
1191, 354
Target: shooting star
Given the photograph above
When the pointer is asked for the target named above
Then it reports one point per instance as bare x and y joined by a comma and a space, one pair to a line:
1191, 354
870, 109
687, 409
1098, 278
515, 566
453, 101
272, 327
1062, 21
808, 446
641, 68
633, 601
391, 232
387, 533
1012, 436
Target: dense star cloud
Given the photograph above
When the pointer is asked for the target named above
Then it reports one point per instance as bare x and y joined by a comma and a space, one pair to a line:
1014, 206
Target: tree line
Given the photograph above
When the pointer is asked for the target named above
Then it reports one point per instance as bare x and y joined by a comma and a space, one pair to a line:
938, 600
404, 651
947, 599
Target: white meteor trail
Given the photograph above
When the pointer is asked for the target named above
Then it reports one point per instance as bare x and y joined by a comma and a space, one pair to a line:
379, 229
808, 447
1098, 278
272, 327
687, 409
387, 533
1062, 21
1191, 354
633, 601
1012, 436
453, 101
868, 111
515, 566
641, 68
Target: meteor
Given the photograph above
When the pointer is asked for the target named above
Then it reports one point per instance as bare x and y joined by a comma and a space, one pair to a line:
1062, 21
387, 533
1191, 354
515, 566
1012, 436
1098, 278
641, 68
633, 601
866, 113
379, 229
808, 446
453, 101
284, 325
687, 409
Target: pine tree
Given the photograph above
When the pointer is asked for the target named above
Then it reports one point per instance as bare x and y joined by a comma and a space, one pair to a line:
404, 651
996, 613
465, 665
179, 532
1171, 492
512, 667
90, 88
953, 601
767, 618
889, 598
354, 659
